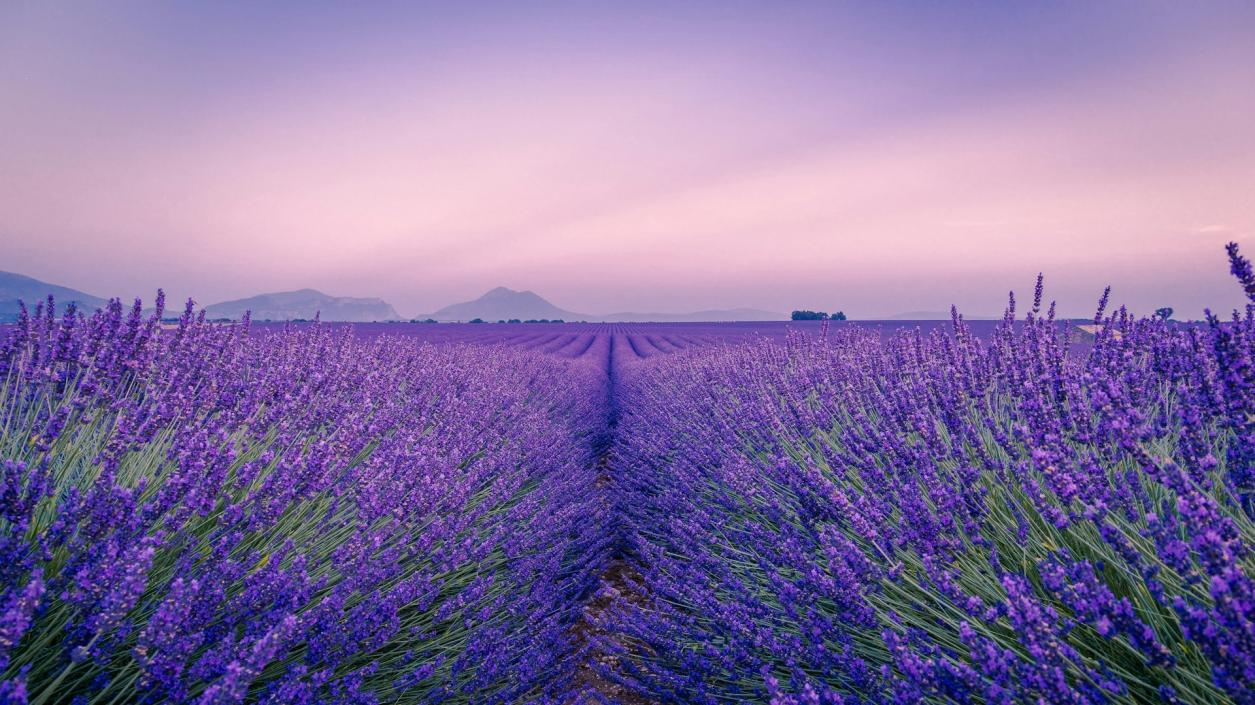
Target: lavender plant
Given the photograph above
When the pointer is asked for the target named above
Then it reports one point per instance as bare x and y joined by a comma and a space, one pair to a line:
200, 513
841, 518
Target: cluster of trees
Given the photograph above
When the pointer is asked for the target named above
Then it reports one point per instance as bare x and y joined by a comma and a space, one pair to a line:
818, 316
515, 320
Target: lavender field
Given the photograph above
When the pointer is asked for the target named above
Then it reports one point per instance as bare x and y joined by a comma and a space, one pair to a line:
1010, 511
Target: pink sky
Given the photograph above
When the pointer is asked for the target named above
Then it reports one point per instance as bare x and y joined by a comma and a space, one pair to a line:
872, 160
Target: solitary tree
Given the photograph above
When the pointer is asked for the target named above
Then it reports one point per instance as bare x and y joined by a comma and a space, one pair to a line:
1164, 313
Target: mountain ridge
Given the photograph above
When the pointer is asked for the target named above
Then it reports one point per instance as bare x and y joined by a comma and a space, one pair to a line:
305, 304
15, 288
503, 303
498, 303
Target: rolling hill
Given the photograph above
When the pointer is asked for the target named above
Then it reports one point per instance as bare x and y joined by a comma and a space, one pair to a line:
502, 303
305, 304
19, 287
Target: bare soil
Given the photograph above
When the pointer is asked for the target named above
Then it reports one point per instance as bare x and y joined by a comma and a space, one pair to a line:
618, 584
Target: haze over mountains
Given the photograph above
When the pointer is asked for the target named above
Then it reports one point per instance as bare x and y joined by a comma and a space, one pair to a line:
498, 304
19, 287
305, 304
504, 304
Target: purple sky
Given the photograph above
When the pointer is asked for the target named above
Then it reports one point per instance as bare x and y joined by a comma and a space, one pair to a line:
874, 158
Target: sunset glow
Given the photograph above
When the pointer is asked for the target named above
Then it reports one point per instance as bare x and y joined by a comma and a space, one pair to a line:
878, 159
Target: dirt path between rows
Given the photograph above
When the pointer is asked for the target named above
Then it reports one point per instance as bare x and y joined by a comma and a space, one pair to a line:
619, 584
590, 685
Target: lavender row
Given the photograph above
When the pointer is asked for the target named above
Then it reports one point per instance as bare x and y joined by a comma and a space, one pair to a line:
842, 518
200, 513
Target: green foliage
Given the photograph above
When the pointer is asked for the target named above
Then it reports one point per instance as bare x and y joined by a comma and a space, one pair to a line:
805, 315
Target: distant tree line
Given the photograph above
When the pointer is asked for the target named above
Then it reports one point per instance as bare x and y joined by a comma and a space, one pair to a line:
818, 316
515, 320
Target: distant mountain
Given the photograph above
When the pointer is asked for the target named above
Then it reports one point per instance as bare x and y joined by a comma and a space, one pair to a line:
305, 303
19, 287
504, 304
499, 304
